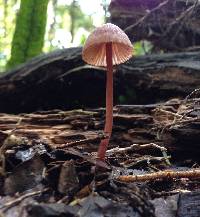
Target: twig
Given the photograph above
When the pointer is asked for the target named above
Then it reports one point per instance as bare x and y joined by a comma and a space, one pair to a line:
135, 147
11, 203
191, 94
138, 147
6, 143
185, 115
185, 15
169, 113
195, 173
146, 16
90, 158
145, 160
169, 193
82, 141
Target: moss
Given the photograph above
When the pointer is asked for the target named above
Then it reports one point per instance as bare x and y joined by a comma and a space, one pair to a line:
29, 32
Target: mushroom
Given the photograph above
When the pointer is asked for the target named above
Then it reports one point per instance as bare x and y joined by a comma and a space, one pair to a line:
106, 46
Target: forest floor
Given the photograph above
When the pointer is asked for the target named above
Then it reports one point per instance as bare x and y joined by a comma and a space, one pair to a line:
48, 162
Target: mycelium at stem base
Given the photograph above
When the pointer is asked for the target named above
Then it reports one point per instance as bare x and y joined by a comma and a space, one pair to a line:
109, 103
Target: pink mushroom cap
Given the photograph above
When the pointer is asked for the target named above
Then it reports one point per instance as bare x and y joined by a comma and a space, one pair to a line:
94, 50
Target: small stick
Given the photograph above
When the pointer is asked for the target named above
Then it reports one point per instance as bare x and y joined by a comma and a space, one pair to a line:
81, 142
191, 94
4, 146
146, 160
140, 21
195, 173
169, 113
138, 147
19, 199
135, 147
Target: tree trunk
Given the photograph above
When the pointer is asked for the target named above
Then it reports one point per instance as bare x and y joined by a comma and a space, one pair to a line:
29, 33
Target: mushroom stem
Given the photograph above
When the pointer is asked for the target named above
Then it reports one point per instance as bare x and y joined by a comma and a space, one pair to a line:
109, 103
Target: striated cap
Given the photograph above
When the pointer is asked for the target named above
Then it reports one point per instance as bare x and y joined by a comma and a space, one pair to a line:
94, 50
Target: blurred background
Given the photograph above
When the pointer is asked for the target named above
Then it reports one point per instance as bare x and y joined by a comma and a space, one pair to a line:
56, 24
68, 22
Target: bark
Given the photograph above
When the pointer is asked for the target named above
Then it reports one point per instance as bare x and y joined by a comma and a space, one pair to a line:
62, 80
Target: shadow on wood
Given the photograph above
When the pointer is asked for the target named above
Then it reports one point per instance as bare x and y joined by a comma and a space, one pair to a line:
61, 80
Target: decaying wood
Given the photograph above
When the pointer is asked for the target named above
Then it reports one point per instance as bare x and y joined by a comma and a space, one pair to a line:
168, 24
156, 127
61, 80
62, 147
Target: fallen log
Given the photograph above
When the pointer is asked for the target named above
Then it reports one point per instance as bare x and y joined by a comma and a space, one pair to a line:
61, 80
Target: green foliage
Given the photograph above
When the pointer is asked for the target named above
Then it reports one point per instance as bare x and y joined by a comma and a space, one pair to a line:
7, 19
22, 27
68, 17
78, 18
29, 33
142, 47
83, 39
